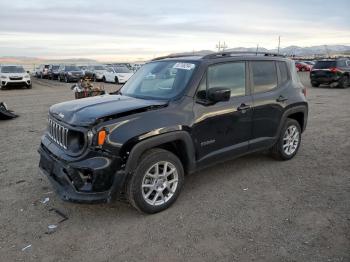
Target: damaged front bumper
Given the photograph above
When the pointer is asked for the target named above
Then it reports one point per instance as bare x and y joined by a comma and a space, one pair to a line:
93, 178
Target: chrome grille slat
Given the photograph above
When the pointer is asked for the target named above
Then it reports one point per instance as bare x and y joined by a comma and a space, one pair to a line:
58, 133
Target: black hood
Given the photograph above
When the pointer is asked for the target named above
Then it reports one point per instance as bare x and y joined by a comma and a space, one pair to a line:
86, 111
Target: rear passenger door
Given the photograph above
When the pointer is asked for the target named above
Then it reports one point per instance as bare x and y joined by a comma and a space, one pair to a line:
269, 80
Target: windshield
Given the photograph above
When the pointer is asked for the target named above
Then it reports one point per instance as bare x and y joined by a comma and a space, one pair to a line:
12, 69
159, 80
122, 70
325, 64
55, 67
72, 68
99, 68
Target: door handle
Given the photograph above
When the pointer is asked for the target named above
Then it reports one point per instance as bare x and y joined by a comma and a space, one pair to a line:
243, 107
281, 99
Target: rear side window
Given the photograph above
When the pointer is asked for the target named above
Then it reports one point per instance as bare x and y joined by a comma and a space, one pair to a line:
264, 76
282, 66
228, 75
341, 63
325, 64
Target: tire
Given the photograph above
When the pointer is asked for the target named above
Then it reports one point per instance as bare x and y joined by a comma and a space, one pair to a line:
280, 149
145, 188
41, 76
66, 79
344, 82
104, 79
116, 80
315, 84
29, 87
94, 78
59, 78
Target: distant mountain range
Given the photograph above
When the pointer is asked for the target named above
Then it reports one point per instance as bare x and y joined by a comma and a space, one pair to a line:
289, 50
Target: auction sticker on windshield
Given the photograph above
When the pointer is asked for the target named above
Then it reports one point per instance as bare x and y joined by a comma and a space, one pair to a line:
184, 66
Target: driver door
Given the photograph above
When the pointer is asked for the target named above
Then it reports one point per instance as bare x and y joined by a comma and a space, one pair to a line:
225, 128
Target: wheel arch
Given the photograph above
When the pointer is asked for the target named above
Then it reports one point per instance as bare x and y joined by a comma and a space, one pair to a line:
298, 113
178, 142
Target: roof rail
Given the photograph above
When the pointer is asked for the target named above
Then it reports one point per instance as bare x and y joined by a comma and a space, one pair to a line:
171, 56
240, 53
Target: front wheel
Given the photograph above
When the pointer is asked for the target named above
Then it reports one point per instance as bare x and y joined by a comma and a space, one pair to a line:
289, 141
156, 182
66, 79
116, 80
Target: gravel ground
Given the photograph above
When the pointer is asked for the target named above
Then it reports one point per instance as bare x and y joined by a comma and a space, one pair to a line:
249, 209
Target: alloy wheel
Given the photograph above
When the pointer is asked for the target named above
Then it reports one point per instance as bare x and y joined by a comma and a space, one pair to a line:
159, 183
290, 140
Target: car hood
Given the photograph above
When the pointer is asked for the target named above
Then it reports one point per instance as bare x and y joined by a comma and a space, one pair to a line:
87, 111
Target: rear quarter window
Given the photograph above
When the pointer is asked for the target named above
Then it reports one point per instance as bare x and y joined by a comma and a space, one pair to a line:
283, 72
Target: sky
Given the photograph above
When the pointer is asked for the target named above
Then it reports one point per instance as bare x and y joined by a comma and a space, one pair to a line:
112, 30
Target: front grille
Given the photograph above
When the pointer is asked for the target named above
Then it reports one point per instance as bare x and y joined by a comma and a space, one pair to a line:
16, 78
58, 133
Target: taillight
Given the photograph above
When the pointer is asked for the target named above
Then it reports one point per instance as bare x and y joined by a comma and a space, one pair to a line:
334, 69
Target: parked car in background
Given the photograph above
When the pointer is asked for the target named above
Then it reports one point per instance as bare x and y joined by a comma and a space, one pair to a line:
139, 143
301, 66
83, 68
95, 72
118, 74
333, 72
42, 71
135, 67
53, 72
310, 63
69, 73
14, 76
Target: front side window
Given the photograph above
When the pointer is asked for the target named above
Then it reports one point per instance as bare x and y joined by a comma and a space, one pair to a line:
159, 80
228, 75
264, 76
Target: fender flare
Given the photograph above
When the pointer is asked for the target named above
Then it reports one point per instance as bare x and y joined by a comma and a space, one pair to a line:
158, 140
296, 109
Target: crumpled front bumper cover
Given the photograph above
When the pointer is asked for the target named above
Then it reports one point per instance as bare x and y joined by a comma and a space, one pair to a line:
106, 183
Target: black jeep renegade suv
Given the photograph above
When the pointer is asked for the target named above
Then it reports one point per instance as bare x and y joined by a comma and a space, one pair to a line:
174, 116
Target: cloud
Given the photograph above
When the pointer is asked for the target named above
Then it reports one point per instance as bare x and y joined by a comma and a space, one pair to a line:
146, 28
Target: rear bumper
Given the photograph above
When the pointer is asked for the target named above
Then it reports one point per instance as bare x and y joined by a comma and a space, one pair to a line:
324, 80
82, 181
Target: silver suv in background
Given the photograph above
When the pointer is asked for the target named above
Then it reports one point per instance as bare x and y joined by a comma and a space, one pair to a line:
14, 76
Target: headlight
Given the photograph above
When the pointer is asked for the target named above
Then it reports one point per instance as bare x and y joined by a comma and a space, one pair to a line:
3, 77
26, 76
70, 73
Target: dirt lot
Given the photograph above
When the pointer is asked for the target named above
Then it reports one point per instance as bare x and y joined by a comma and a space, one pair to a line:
250, 209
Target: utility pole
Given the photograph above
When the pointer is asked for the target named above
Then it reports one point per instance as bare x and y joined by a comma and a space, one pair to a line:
257, 48
279, 44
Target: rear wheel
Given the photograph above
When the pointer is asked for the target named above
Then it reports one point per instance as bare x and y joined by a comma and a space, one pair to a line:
344, 82
156, 182
104, 79
116, 80
66, 79
289, 141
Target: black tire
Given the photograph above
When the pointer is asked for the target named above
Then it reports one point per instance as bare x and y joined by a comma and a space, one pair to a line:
59, 78
344, 82
104, 79
315, 84
134, 184
66, 79
277, 150
94, 78
29, 87
116, 80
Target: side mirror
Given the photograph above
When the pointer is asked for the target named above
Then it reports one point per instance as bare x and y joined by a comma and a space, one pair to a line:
219, 94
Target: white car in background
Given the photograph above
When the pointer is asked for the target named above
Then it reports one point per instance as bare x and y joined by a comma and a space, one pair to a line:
14, 76
118, 74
